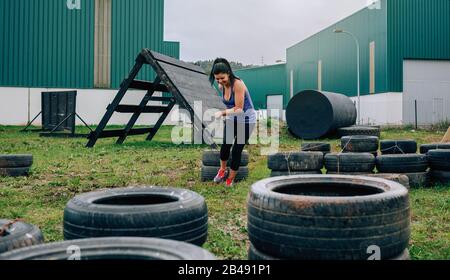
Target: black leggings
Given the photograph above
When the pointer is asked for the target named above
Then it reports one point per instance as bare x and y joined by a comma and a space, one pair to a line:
235, 135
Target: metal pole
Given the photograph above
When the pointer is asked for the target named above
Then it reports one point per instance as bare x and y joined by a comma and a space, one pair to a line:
359, 81
415, 111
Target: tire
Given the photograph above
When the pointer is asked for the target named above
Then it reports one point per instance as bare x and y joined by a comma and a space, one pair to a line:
10, 161
209, 172
408, 163
359, 144
296, 161
375, 154
256, 255
439, 159
287, 173
359, 130
117, 248
212, 158
14, 171
328, 217
395, 147
316, 147
170, 213
419, 179
19, 235
440, 177
399, 178
350, 162
428, 147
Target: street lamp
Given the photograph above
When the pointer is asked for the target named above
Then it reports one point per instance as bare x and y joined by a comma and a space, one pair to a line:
357, 59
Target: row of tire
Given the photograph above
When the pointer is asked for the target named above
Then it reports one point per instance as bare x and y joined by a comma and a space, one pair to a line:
415, 166
129, 223
313, 220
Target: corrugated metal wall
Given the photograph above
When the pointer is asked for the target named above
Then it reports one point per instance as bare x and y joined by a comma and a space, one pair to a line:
418, 29
338, 55
171, 49
136, 24
264, 81
46, 44
51, 43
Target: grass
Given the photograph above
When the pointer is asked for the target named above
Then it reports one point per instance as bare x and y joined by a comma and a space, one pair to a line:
63, 168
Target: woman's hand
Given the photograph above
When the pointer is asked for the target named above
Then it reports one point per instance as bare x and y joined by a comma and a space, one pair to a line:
218, 115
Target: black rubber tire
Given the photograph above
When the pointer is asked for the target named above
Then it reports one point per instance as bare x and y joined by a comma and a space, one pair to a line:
408, 163
117, 248
439, 159
19, 235
212, 158
359, 144
399, 178
14, 171
9, 161
296, 161
324, 217
425, 148
419, 179
256, 255
166, 213
359, 130
375, 154
440, 177
209, 172
316, 147
395, 147
350, 162
287, 173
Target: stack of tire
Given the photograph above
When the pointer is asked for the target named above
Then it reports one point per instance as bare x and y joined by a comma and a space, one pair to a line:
16, 234
295, 163
166, 213
440, 166
400, 157
330, 217
15, 165
211, 166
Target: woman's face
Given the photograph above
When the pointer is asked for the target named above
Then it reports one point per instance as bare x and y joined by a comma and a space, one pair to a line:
222, 79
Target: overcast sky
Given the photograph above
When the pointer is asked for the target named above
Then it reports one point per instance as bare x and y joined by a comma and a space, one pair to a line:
247, 30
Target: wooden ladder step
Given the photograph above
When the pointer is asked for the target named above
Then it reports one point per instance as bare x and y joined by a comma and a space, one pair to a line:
135, 108
144, 85
121, 132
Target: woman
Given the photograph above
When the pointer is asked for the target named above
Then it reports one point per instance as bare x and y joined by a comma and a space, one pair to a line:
240, 119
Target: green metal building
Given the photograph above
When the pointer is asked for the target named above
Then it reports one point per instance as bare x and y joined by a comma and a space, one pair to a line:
397, 39
264, 82
77, 43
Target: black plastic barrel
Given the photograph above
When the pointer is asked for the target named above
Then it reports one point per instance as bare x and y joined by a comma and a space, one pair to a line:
313, 114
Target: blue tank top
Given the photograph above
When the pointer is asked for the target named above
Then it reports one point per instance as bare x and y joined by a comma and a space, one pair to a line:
249, 115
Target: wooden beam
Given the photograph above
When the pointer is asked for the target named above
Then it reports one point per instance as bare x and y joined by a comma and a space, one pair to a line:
446, 138
144, 85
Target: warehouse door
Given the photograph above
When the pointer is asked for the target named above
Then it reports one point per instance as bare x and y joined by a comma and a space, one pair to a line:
275, 103
426, 86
